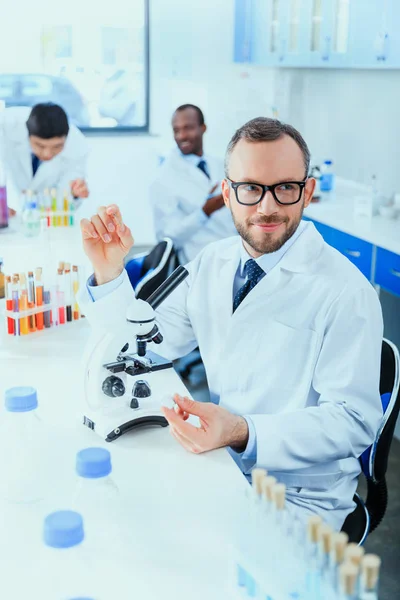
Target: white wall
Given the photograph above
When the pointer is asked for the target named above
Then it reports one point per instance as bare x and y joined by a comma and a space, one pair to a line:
348, 115
191, 61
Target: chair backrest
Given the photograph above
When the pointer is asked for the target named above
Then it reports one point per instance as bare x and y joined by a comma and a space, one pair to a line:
374, 460
147, 272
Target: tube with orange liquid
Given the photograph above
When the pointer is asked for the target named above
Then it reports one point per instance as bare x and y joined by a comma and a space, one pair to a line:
39, 298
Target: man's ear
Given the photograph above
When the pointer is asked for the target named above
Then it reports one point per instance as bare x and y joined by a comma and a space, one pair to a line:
226, 192
203, 129
309, 191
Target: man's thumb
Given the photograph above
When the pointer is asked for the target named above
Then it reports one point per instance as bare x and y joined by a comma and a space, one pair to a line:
190, 406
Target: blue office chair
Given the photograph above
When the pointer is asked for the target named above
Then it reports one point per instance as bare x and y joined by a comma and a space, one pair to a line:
368, 515
148, 271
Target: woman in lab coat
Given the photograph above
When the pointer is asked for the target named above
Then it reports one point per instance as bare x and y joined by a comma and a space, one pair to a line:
39, 149
290, 340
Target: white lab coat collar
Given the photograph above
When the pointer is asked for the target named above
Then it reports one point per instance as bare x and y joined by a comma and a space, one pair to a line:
269, 261
300, 256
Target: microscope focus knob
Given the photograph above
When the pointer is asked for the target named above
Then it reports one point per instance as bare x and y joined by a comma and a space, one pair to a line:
113, 386
141, 389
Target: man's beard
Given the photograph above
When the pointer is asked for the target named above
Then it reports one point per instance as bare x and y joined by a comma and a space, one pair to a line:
267, 245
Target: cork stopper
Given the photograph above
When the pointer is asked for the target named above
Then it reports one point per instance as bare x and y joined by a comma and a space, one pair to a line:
22, 278
370, 565
38, 274
30, 273
340, 541
61, 265
314, 528
326, 533
74, 268
15, 279
60, 271
67, 266
267, 485
354, 554
257, 475
279, 495
348, 575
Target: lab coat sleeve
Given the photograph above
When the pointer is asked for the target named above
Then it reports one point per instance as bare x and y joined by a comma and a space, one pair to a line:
106, 308
170, 220
346, 377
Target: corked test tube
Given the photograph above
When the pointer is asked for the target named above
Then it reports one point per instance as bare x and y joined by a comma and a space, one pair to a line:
279, 496
326, 546
339, 545
267, 485
354, 554
23, 304
370, 567
257, 475
75, 290
348, 579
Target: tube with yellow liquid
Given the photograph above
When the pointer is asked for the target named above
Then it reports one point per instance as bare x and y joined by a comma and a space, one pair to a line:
53, 193
75, 289
65, 209
23, 304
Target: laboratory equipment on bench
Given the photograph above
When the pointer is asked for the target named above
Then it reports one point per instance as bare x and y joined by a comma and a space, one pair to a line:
125, 384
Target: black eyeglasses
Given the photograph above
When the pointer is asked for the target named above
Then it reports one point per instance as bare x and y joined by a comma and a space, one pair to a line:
285, 193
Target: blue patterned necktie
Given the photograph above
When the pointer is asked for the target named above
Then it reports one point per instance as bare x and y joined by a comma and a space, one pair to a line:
253, 275
202, 165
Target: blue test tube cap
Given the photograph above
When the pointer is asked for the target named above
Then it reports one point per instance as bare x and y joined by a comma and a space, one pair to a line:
93, 463
63, 529
20, 399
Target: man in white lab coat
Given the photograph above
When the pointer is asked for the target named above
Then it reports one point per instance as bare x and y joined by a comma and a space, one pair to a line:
186, 198
39, 149
289, 330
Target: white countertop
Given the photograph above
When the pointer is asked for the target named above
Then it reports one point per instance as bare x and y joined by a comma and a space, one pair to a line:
336, 209
179, 507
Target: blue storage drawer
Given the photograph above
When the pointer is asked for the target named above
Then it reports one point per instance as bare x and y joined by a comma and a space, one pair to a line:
357, 251
387, 272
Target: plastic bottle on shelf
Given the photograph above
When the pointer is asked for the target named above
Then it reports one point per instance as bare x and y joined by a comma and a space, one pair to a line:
31, 217
327, 179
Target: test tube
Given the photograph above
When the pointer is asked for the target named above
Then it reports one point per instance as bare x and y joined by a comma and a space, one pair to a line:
313, 576
39, 297
68, 291
348, 576
31, 300
75, 289
60, 296
54, 308
9, 306
23, 304
53, 193
47, 313
47, 206
71, 209
339, 545
65, 208
15, 302
370, 566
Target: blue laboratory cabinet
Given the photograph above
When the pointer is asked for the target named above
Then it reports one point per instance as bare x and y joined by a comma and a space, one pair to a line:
318, 33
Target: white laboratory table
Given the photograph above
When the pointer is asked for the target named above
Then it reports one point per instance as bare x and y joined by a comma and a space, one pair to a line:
178, 508
336, 209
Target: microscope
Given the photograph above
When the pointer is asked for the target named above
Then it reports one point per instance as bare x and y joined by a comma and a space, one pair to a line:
125, 383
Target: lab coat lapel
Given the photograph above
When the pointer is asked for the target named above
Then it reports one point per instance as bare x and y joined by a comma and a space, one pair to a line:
22, 154
226, 276
298, 259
